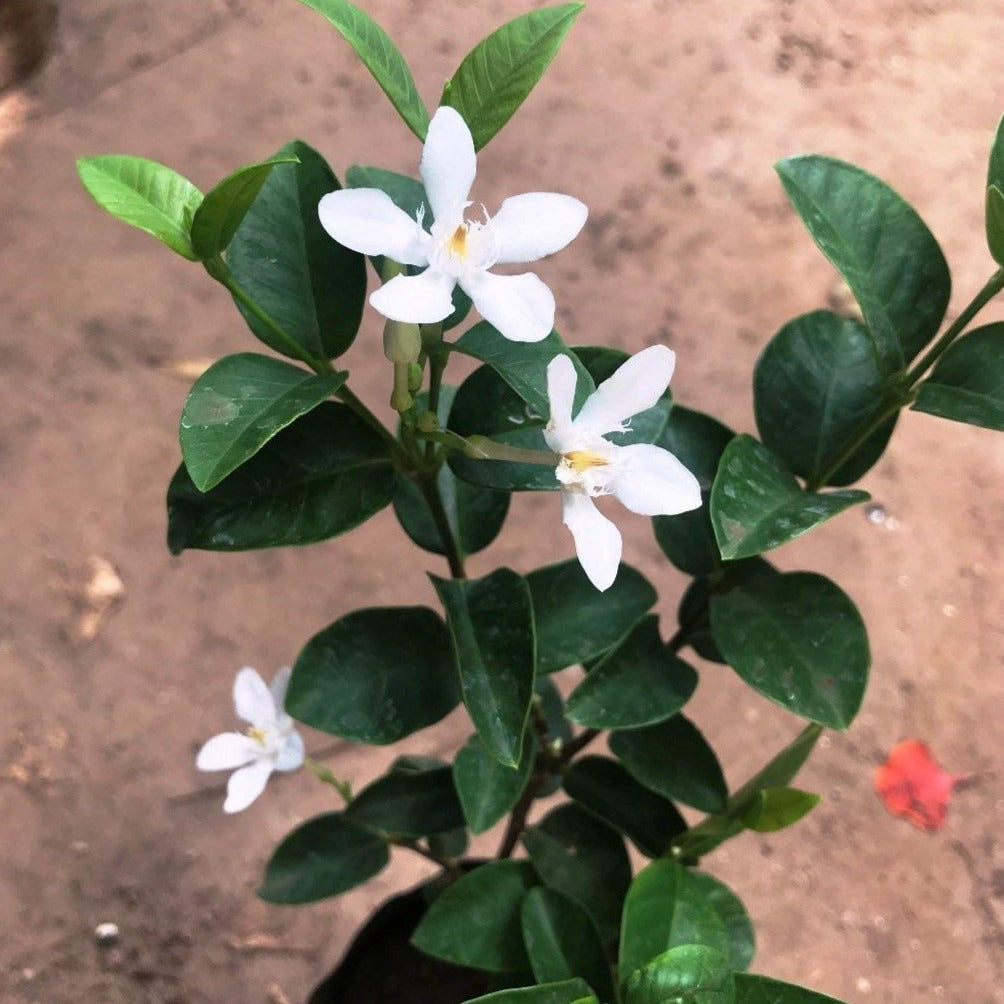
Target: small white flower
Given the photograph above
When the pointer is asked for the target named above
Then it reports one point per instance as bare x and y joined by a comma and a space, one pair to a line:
458, 251
646, 479
271, 743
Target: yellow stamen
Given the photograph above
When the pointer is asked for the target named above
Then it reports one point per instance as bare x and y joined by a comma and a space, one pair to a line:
458, 242
582, 460
257, 734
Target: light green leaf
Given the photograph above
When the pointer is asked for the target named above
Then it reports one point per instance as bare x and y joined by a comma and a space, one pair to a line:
565, 992
688, 974
775, 808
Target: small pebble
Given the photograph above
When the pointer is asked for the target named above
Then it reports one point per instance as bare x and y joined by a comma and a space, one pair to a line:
106, 934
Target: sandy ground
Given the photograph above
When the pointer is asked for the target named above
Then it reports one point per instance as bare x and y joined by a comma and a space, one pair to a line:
665, 117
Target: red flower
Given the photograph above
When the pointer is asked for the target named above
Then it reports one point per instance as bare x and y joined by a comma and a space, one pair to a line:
911, 784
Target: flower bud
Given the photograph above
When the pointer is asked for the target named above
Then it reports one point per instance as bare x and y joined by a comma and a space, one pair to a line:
402, 342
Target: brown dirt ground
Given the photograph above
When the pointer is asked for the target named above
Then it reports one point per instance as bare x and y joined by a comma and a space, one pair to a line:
665, 117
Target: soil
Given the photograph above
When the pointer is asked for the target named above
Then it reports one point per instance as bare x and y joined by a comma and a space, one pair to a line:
664, 116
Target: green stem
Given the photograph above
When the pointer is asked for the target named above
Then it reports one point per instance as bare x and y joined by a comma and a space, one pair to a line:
430, 492
347, 396
448, 864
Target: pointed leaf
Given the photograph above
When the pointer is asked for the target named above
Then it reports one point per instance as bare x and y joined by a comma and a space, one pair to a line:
995, 203
146, 195
688, 974
776, 808
327, 855
816, 385
565, 992
880, 246
639, 683
409, 803
476, 920
487, 788
967, 384
317, 478
491, 623
380, 56
757, 505
238, 405
375, 676
752, 989
221, 211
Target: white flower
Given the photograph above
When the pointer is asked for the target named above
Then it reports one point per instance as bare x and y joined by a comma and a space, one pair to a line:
458, 251
646, 479
271, 743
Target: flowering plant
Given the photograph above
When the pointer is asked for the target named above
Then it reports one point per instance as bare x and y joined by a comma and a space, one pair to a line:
546, 661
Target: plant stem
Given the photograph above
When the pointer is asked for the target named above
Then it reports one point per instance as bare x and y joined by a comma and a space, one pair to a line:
430, 492
448, 864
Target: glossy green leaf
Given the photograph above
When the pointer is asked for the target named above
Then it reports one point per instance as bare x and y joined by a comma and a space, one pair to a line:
697, 441
580, 856
798, 640
675, 760
409, 803
575, 622
967, 384
238, 405
605, 788
146, 195
565, 992
317, 478
310, 285
327, 855
775, 808
694, 618
552, 707
732, 913
380, 56
763, 990
225, 205
375, 676
487, 788
757, 505
562, 941
491, 623
688, 974
995, 223
666, 907
880, 246
639, 683
496, 76
816, 385
476, 920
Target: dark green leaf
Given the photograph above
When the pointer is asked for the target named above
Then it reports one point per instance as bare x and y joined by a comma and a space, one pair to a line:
319, 477
880, 246
688, 974
576, 623
552, 707
666, 907
580, 856
995, 179
763, 990
775, 808
757, 505
221, 211
639, 683
566, 992
562, 941
732, 913
409, 803
327, 855
476, 920
967, 384
697, 441
816, 385
798, 640
146, 195
375, 676
605, 788
500, 71
995, 223
487, 788
695, 620
491, 623
675, 760
238, 405
380, 56
310, 285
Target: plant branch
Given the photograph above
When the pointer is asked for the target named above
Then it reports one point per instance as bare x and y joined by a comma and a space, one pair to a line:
454, 556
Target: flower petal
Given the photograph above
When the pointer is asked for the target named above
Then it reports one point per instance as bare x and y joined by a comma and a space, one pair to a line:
367, 220
528, 227
637, 385
252, 698
561, 380
422, 299
448, 164
246, 784
597, 540
291, 753
652, 482
521, 307
227, 751
279, 686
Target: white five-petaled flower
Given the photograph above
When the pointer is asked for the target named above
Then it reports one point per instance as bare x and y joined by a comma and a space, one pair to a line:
458, 251
646, 479
271, 743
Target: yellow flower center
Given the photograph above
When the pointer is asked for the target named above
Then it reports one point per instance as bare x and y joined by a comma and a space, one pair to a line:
582, 460
257, 734
458, 242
